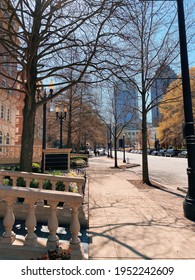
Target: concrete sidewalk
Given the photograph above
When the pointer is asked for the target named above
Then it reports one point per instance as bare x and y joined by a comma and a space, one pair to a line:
130, 223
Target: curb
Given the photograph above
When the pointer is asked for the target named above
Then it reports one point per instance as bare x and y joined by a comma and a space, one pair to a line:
183, 189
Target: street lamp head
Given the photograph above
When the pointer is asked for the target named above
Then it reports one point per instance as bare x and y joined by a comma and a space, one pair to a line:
61, 114
57, 112
65, 112
57, 109
51, 87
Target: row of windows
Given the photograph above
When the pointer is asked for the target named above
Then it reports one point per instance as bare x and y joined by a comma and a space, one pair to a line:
7, 65
5, 114
10, 89
3, 84
7, 138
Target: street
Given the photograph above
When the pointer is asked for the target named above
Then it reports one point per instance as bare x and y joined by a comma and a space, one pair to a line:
169, 171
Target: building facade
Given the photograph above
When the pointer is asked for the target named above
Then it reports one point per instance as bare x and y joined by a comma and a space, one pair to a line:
158, 88
126, 99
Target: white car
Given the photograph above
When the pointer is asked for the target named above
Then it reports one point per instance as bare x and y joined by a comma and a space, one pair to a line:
101, 151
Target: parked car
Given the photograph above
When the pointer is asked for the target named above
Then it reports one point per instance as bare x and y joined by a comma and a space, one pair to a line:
161, 152
183, 154
101, 151
149, 151
90, 152
154, 153
172, 153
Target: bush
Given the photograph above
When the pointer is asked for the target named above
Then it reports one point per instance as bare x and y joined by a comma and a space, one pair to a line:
57, 172
60, 186
21, 182
7, 181
78, 162
73, 187
36, 168
34, 184
47, 185
56, 254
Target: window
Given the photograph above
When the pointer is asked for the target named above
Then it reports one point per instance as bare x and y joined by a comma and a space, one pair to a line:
2, 112
17, 94
3, 83
8, 115
5, 62
10, 91
11, 70
1, 138
7, 139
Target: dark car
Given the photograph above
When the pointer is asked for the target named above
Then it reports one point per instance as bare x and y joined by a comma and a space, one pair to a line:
172, 153
161, 152
154, 153
149, 151
183, 154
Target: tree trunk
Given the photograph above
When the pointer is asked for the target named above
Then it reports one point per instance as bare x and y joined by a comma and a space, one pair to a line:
26, 155
115, 150
145, 173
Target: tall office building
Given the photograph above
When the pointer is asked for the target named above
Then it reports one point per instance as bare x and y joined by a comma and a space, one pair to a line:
126, 99
164, 76
127, 112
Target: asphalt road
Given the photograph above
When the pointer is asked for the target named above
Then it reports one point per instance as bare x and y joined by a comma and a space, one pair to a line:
169, 171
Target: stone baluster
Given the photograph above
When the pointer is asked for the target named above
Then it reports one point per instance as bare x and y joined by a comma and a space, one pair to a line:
74, 225
31, 237
1, 179
75, 246
66, 184
14, 180
28, 182
41, 184
80, 188
53, 184
53, 239
40, 202
8, 236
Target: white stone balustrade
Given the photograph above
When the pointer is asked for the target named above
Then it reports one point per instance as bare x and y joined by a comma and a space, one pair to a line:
28, 176
31, 196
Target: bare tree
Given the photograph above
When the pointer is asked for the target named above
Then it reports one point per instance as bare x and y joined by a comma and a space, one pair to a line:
37, 36
146, 42
117, 112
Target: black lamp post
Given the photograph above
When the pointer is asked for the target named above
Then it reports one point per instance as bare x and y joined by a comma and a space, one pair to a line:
111, 140
124, 160
61, 115
189, 202
43, 97
108, 141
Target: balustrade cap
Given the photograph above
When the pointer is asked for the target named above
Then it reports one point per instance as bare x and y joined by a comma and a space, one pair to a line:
32, 175
51, 195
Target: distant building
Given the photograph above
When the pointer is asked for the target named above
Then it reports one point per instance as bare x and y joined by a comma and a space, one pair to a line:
158, 88
127, 112
126, 98
133, 136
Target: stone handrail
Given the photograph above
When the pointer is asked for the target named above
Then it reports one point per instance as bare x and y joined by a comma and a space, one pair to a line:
28, 176
31, 196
